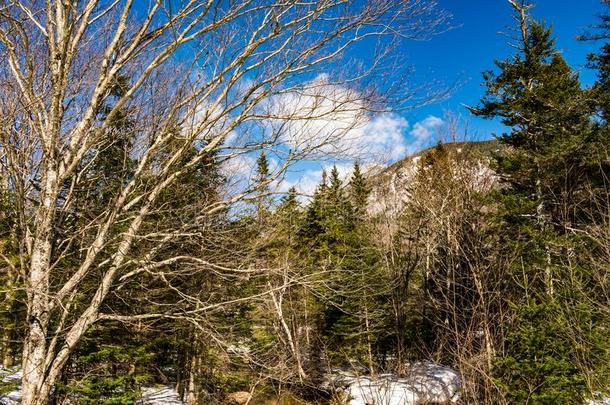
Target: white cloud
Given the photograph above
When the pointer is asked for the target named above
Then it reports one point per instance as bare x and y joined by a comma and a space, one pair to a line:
385, 134
424, 132
328, 119
238, 170
304, 183
331, 122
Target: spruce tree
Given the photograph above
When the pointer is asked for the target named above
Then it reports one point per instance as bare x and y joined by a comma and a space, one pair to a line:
599, 93
12, 308
549, 160
369, 293
111, 361
261, 185
312, 226
359, 191
600, 61
115, 360
337, 239
289, 216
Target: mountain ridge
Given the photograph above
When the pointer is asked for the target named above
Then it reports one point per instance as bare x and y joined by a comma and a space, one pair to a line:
390, 186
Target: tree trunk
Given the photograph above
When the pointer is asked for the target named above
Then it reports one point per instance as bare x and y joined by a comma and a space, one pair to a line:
369, 345
35, 385
34, 351
192, 397
277, 303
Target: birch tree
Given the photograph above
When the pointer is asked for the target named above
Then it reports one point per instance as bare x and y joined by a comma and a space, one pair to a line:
217, 76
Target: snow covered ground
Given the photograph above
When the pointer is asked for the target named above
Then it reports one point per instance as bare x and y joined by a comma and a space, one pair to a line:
11, 377
160, 395
427, 382
600, 400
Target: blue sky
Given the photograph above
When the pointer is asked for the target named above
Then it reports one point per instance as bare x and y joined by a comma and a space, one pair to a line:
456, 58
461, 54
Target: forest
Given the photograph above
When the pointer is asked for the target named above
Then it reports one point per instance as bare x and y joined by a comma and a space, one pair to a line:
156, 249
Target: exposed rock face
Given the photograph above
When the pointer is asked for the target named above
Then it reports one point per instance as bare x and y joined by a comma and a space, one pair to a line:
391, 187
426, 383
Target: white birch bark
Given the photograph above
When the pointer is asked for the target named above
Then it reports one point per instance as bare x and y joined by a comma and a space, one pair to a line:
212, 70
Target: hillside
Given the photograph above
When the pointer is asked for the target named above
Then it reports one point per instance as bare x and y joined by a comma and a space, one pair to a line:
390, 187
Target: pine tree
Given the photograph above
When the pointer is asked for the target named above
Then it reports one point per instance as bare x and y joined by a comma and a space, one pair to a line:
289, 215
548, 163
261, 184
12, 309
337, 238
359, 191
368, 302
338, 210
312, 225
600, 94
114, 360
179, 347
600, 61
113, 164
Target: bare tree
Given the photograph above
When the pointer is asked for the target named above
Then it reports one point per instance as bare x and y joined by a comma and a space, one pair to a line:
224, 73
445, 260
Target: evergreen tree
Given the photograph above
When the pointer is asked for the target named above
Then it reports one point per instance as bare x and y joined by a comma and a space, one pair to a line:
337, 214
12, 309
113, 163
364, 324
336, 235
261, 184
262, 168
599, 93
549, 162
110, 165
359, 191
600, 61
292, 303
112, 361
178, 347
312, 225
289, 215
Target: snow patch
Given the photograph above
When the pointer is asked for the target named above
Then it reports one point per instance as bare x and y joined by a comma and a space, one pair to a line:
11, 377
600, 399
426, 383
160, 395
